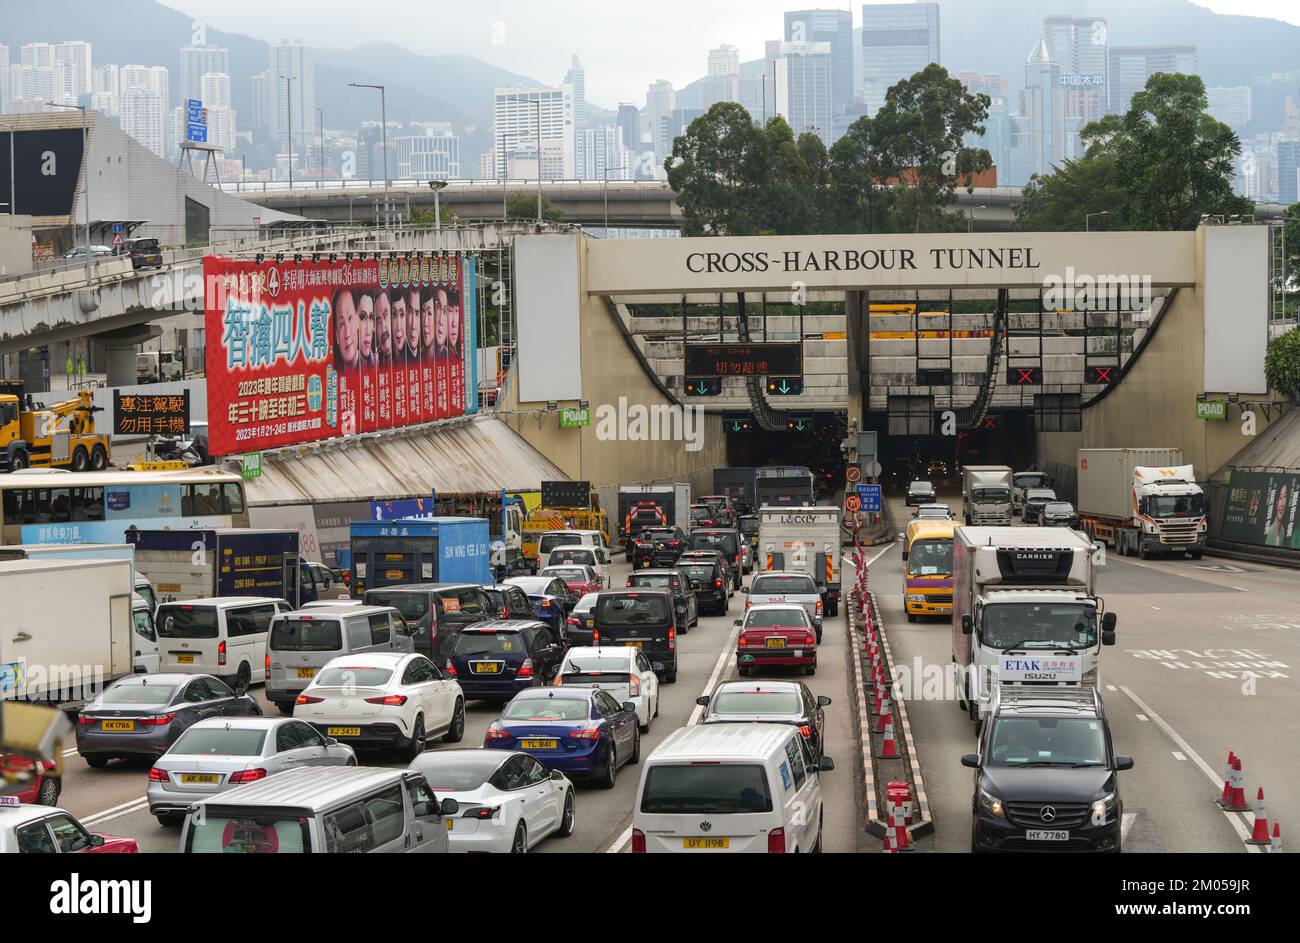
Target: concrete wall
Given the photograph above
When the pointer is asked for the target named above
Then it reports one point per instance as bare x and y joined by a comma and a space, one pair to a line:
15, 245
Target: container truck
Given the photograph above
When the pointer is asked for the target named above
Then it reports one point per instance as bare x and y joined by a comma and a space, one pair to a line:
652, 506
67, 628
1024, 611
1141, 501
201, 564
986, 495
783, 486
737, 484
803, 540
419, 550
1022, 482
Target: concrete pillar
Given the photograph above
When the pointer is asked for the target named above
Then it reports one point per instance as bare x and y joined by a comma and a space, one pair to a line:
119, 362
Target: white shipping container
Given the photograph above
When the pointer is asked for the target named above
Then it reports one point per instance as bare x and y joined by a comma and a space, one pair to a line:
1106, 478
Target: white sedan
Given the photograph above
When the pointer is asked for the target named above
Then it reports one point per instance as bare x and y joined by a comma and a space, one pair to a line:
387, 700
508, 801
626, 674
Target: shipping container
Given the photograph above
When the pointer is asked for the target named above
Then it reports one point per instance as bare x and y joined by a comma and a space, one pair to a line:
419, 550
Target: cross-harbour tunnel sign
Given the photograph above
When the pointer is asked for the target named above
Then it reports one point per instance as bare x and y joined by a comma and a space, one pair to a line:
783, 263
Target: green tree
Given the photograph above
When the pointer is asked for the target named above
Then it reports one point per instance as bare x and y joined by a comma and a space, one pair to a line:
1062, 201
857, 201
1291, 235
719, 170
1282, 363
523, 205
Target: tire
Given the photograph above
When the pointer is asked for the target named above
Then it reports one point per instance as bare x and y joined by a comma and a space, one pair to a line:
243, 678
745, 672
80, 460
351, 762
644, 728
48, 794
285, 709
170, 819
670, 677
1196, 554
456, 732
810, 669
656, 713
98, 458
606, 779
821, 819
635, 758
833, 609
911, 617
95, 761
18, 460
1142, 552
520, 844
416, 746
569, 817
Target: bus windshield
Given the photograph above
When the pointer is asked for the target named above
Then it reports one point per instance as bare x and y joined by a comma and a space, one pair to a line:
930, 558
1008, 625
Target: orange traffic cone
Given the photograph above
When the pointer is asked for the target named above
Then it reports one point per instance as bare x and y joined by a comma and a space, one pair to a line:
1237, 801
1277, 838
889, 746
1260, 835
1226, 798
886, 714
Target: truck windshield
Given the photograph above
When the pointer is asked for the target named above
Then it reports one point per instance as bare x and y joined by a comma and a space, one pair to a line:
749, 526
990, 495
1030, 480
1183, 505
930, 558
716, 789
1008, 625
1047, 741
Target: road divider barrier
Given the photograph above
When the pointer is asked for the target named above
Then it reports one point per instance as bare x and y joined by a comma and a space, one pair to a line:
897, 835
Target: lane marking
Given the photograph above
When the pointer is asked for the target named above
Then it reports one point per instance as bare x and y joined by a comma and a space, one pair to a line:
1125, 823
1142, 717
846, 559
1236, 820
1111, 687
116, 812
1156, 608
1179, 757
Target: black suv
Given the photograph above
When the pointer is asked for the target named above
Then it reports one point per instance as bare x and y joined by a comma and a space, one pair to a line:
511, 601
709, 580
657, 546
1045, 773
685, 603
725, 540
641, 618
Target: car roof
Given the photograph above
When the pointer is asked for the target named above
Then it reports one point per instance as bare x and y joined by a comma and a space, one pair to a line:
635, 591
771, 606
14, 816
781, 573
337, 607
793, 686
369, 660
722, 742
655, 571
157, 679
310, 786
240, 723
501, 625
582, 651
535, 694
1078, 701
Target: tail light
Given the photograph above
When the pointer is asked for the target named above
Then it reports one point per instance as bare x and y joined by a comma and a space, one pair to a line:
717, 584
157, 776
268, 667
221, 653
638, 841
810, 640
526, 669
595, 636
162, 720
546, 604
247, 776
571, 621
776, 841
672, 639
634, 687
495, 733
307, 699
629, 581
559, 681
482, 812
819, 607
587, 733
505, 612
388, 700
84, 721
451, 669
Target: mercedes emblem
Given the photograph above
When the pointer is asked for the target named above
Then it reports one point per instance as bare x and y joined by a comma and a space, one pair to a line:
1047, 814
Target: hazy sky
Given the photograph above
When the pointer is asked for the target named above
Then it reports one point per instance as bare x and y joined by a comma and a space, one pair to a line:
624, 44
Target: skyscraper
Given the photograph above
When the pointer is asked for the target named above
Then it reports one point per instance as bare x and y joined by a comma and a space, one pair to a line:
528, 117
1230, 104
1130, 67
996, 138
723, 81
577, 77
264, 101
144, 107
4, 77
297, 62
628, 121
75, 57
660, 100
724, 60
432, 155
804, 88
898, 40
38, 55
600, 152
1078, 44
196, 62
214, 92
834, 27
1288, 169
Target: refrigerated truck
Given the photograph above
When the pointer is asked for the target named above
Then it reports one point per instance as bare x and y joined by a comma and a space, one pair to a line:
986, 495
1142, 501
420, 550
783, 485
67, 628
1025, 611
202, 564
672, 500
803, 540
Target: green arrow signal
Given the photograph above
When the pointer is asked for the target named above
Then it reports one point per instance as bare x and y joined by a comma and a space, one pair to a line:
785, 387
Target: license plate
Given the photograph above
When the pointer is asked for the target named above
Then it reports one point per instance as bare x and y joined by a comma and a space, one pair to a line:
776, 643
640, 645
1177, 549
306, 672
706, 842
200, 779
117, 725
184, 659
486, 668
1045, 835
695, 586
591, 623
449, 825
538, 744
343, 731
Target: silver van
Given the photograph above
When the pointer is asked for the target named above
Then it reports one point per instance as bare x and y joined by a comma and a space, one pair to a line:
303, 641
322, 810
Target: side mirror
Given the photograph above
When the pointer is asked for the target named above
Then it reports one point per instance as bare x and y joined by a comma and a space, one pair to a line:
967, 625
557, 776
702, 700
971, 760
331, 742
823, 700
1108, 622
1123, 762
448, 807
825, 764
629, 707
745, 590
97, 841
736, 622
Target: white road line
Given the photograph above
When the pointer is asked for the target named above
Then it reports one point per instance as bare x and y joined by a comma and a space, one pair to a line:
1125, 823
1179, 757
1111, 687
1240, 590
1156, 608
1142, 717
1236, 820
117, 811
849, 560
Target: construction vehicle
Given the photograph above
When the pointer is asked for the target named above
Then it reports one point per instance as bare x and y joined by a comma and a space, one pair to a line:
542, 519
58, 436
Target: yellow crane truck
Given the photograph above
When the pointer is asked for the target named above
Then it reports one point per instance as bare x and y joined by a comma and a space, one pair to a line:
58, 436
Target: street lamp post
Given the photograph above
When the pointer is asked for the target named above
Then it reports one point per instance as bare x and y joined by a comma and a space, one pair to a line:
1087, 219
288, 121
383, 120
85, 176
320, 171
437, 186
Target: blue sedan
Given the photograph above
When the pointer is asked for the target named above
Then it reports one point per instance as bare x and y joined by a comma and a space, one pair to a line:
580, 731
550, 597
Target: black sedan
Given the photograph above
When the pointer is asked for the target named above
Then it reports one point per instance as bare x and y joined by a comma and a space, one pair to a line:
1058, 514
657, 546
144, 714
769, 702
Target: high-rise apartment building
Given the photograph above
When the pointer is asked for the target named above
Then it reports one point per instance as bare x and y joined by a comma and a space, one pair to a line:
196, 62
293, 70
1079, 45
834, 27
431, 155
1288, 172
600, 154
1129, 67
75, 57
214, 92
1230, 104
577, 77
144, 106
526, 116
660, 100
898, 40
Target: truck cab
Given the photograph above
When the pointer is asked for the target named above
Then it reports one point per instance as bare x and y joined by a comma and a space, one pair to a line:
1022, 482
986, 495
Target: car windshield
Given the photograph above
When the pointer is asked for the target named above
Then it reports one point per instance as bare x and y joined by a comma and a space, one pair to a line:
586, 603
651, 533
259, 833
145, 245
930, 558
715, 789
1040, 494
141, 693
1058, 507
1183, 505
1038, 625
412, 606
920, 487
573, 555
1049, 741
187, 622
937, 512
575, 573
700, 514
757, 702
360, 677
698, 571
489, 643
550, 542
652, 580
726, 542
210, 741
1030, 480
777, 585
749, 526
532, 585
990, 495
547, 708
458, 772
632, 610
792, 618
297, 634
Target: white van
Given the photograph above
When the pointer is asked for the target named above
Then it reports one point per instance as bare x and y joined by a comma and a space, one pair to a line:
223, 636
549, 540
144, 638
322, 809
581, 555
730, 788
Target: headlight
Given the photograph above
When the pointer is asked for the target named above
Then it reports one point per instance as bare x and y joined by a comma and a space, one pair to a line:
915, 597
991, 803
1103, 809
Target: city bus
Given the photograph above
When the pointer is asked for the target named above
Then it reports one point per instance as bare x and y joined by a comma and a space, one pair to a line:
53, 507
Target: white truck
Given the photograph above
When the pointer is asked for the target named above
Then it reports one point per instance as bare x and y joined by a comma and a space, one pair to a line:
1142, 501
986, 495
67, 628
803, 540
1024, 611
1022, 482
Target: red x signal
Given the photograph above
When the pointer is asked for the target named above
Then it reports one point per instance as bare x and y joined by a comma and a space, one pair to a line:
990, 423
1100, 375
1026, 376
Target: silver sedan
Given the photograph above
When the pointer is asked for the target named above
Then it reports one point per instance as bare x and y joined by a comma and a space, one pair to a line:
219, 754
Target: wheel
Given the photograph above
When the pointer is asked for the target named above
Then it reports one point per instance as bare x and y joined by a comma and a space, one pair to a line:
606, 779
911, 617
48, 794
417, 740
456, 732
810, 669
833, 608
98, 458
636, 751
656, 713
1142, 551
817, 848
95, 761
670, 677
18, 460
819, 636
1195, 554
351, 762
644, 728
569, 817
286, 709
80, 460
243, 678
170, 819
520, 844
745, 672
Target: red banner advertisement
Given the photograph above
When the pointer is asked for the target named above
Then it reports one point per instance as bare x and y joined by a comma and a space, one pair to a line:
301, 351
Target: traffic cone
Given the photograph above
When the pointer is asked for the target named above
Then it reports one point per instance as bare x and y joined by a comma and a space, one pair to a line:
890, 846
1277, 838
904, 838
1260, 835
879, 704
886, 714
889, 746
1226, 798
1237, 801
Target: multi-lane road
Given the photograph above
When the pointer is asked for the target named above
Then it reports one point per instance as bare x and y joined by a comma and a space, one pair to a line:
1206, 662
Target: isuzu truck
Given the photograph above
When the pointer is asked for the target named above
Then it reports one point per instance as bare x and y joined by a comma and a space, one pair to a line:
1142, 501
986, 495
